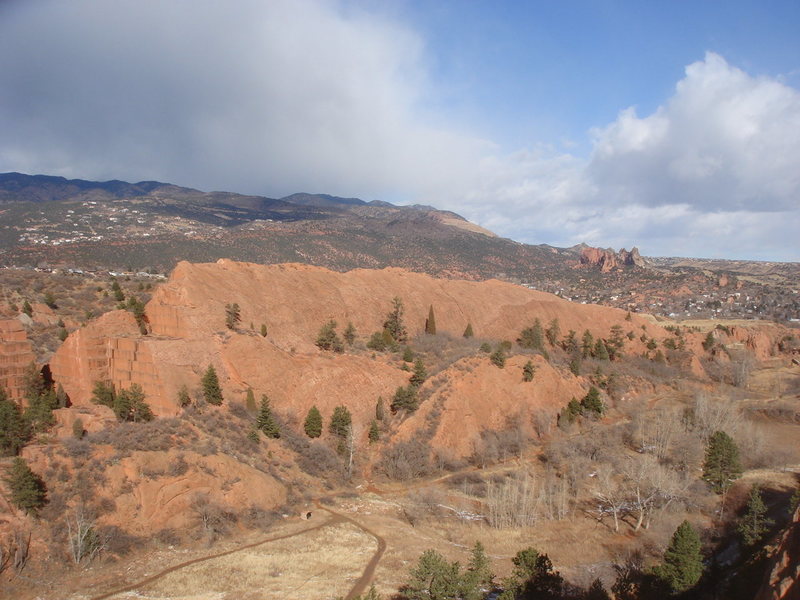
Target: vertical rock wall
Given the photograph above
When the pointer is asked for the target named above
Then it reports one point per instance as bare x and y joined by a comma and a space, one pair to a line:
16, 353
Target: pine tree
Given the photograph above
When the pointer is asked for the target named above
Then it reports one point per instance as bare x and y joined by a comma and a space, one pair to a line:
434, 578
184, 399
575, 365
721, 466
233, 315
103, 393
709, 342
468, 333
570, 342
754, 524
553, 332
683, 562
119, 295
532, 337
405, 399
498, 358
130, 405
28, 492
479, 576
419, 375
408, 354
27, 308
380, 409
14, 430
340, 421
266, 421
596, 591
349, 334
587, 344
394, 322
50, 300
430, 323
592, 402
328, 339
77, 429
374, 432
313, 423
528, 371
533, 577
600, 350
250, 400
62, 400
263, 330
212, 392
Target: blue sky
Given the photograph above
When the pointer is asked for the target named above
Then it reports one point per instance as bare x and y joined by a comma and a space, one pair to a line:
673, 126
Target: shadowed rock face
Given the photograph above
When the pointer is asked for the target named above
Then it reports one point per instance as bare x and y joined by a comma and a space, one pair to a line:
783, 579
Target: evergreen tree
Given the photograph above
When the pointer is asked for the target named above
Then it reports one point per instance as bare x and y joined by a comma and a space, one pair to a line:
408, 355
553, 332
616, 343
63, 334
532, 337
533, 577
39, 412
14, 431
233, 315
596, 591
405, 399
709, 342
659, 358
468, 333
130, 405
721, 466
479, 576
212, 392
119, 295
313, 423
528, 371
434, 578
62, 400
430, 322
570, 342
349, 334
340, 421
575, 365
103, 393
377, 342
394, 322
250, 400
266, 421
328, 339
77, 429
683, 562
569, 413
252, 435
754, 524
587, 344
263, 330
184, 399
380, 409
591, 401
498, 358
419, 374
28, 492
374, 432
50, 300
27, 308
600, 350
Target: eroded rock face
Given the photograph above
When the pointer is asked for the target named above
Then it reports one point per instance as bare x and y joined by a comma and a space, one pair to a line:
783, 579
16, 353
607, 259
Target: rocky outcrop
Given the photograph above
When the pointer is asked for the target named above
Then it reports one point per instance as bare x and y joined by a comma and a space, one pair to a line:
607, 259
16, 354
188, 333
783, 578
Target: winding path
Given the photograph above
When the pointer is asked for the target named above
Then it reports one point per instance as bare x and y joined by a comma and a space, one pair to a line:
358, 588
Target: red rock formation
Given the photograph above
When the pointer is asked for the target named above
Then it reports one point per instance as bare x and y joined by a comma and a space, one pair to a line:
783, 578
16, 354
608, 259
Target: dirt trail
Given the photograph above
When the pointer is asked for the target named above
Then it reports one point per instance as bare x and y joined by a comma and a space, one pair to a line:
335, 518
361, 584
358, 588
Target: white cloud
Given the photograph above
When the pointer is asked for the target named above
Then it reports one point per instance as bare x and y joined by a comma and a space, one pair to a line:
306, 95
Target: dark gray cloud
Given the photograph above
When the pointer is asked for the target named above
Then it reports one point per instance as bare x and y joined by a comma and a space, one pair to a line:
309, 95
